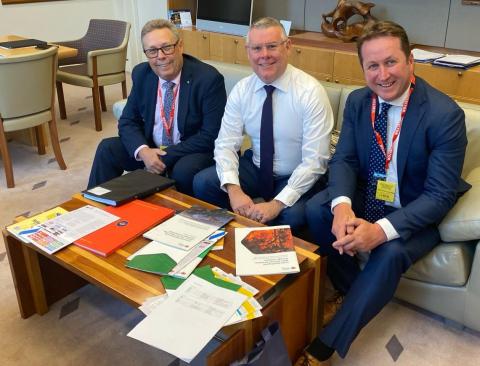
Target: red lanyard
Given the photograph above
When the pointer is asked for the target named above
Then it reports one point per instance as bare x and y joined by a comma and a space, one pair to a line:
388, 156
167, 124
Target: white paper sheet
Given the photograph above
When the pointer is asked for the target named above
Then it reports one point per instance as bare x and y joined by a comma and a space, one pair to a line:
78, 223
57, 233
186, 321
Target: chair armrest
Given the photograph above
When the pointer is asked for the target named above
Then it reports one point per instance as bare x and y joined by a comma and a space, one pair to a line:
75, 43
109, 61
106, 51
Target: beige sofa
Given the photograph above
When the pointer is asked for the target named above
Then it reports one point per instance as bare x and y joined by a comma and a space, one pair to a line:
447, 280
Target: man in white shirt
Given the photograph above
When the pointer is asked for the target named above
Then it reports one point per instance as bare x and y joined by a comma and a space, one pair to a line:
302, 120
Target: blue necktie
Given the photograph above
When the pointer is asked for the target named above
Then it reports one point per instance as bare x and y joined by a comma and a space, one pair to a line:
168, 101
266, 146
374, 209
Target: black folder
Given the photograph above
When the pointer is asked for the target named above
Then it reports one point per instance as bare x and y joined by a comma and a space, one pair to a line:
133, 185
23, 43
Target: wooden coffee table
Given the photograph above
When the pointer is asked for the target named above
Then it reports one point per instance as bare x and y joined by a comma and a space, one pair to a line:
296, 301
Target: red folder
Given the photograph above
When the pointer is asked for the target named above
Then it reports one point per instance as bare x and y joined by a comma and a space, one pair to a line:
136, 217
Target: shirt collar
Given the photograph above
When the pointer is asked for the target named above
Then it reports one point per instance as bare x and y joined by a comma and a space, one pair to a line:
399, 101
282, 83
176, 80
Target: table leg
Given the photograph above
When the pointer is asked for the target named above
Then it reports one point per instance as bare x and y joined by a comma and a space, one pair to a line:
39, 281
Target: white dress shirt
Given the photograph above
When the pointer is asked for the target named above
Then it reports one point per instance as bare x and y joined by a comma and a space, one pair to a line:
302, 122
158, 124
393, 119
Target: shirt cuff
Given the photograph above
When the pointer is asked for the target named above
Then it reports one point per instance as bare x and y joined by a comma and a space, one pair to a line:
388, 229
338, 200
229, 177
135, 154
288, 196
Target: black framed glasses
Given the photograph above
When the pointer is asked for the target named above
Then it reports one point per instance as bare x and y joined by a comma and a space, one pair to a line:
169, 49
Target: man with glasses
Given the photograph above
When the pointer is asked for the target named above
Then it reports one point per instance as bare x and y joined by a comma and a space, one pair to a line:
288, 118
172, 115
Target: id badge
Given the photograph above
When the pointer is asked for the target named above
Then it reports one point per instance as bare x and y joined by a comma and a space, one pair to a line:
385, 191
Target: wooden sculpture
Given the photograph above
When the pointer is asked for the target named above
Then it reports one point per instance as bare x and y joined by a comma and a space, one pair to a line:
335, 24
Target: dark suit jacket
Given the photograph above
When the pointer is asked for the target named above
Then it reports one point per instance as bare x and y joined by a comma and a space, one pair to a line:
430, 156
201, 104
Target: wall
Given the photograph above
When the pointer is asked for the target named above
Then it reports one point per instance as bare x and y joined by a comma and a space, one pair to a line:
443, 23
66, 20
58, 20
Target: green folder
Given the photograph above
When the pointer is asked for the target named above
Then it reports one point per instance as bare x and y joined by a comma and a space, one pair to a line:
206, 273
159, 263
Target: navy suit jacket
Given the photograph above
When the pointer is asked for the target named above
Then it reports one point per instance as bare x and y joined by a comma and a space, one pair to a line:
430, 156
201, 104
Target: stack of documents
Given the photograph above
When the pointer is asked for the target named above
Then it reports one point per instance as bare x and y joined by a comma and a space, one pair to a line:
458, 61
185, 321
22, 229
249, 309
60, 231
163, 259
190, 227
180, 243
135, 217
425, 56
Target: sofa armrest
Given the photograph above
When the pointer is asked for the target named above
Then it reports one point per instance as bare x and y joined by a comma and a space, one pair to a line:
472, 302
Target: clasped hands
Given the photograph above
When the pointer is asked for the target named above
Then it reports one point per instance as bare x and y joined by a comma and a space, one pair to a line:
151, 157
243, 205
354, 234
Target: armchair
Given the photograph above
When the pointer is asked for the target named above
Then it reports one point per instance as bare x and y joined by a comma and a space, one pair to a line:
27, 100
100, 61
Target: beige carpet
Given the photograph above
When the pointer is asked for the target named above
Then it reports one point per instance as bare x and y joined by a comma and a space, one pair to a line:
89, 327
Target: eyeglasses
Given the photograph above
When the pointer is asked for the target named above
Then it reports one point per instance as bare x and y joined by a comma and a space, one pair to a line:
169, 49
272, 47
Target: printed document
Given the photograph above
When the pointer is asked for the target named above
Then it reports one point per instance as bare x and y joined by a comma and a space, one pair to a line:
63, 230
186, 321
187, 229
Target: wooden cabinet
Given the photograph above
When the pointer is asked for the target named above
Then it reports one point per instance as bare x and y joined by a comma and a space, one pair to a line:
196, 43
227, 48
461, 85
331, 60
317, 62
347, 69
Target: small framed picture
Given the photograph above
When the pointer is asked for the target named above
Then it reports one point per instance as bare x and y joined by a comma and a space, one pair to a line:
180, 17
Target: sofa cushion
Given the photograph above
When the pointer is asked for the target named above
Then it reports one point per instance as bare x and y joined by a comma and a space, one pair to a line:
463, 220
447, 264
346, 90
472, 119
232, 73
334, 92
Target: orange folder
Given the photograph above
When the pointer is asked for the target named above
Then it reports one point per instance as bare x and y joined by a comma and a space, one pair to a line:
136, 217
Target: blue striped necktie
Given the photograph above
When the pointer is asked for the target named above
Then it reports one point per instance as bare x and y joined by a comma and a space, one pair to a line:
168, 101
